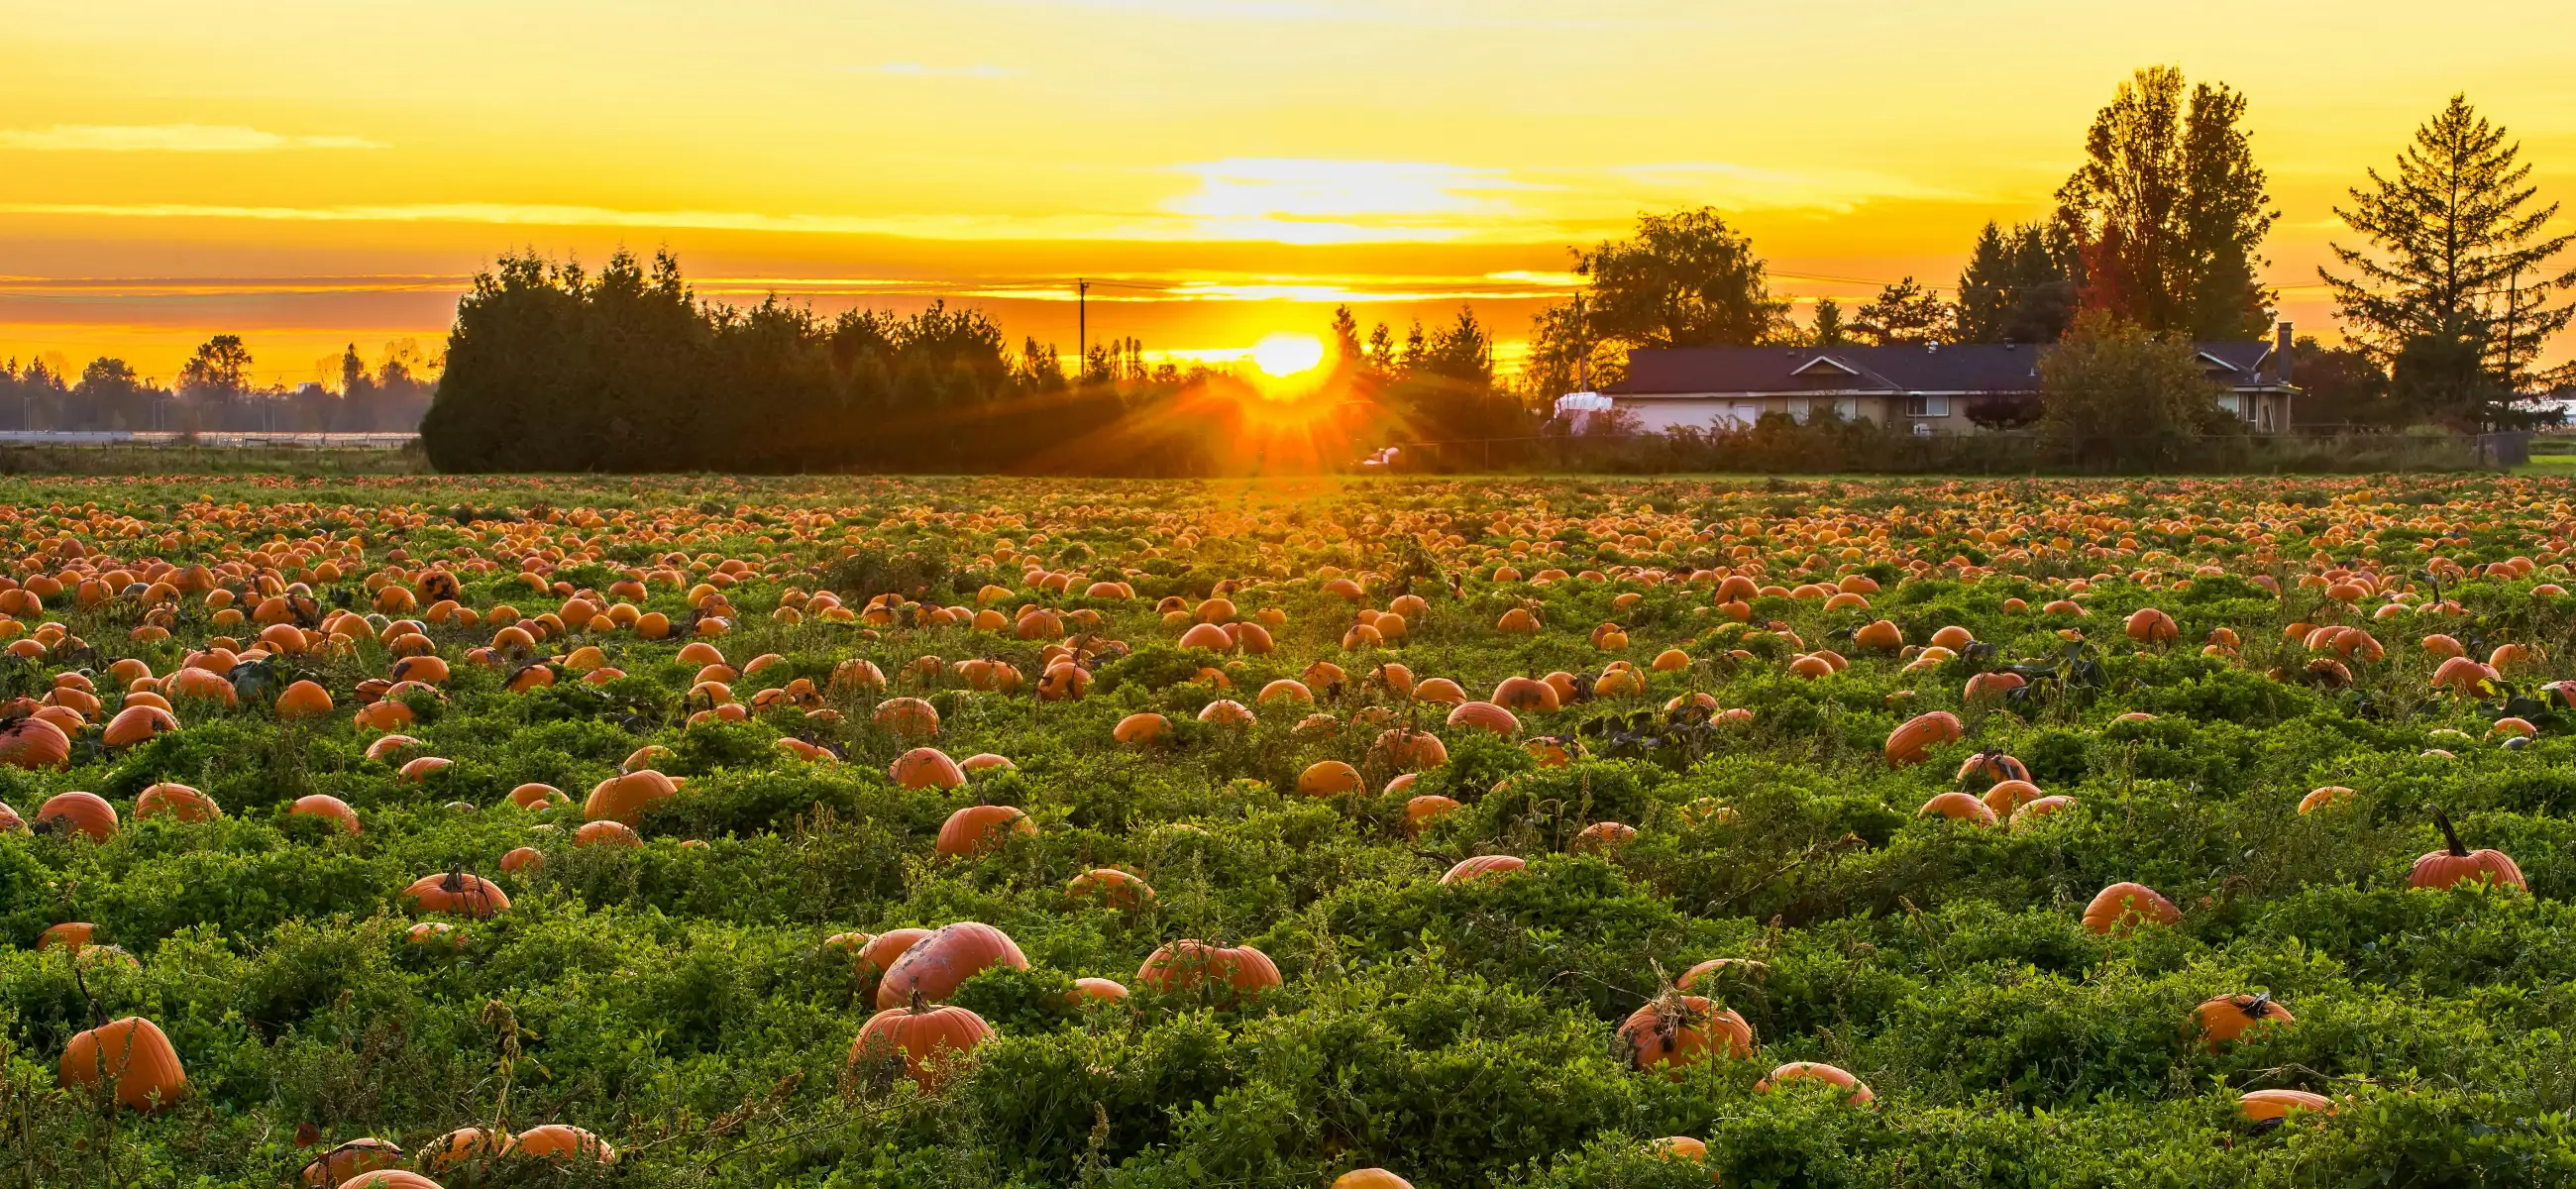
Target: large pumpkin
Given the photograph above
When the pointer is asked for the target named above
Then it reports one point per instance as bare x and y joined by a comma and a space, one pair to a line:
914, 1039
132, 1054
460, 892
1674, 1031
83, 813
176, 801
978, 829
1469, 870
563, 1144
933, 968
1913, 742
2263, 1106
1188, 964
926, 768
337, 1167
2456, 863
1111, 888
31, 742
2124, 906
625, 798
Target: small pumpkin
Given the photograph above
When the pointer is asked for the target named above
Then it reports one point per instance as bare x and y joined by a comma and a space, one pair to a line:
2222, 1020
1818, 1071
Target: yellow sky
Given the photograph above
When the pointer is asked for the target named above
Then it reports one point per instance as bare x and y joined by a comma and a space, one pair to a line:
309, 173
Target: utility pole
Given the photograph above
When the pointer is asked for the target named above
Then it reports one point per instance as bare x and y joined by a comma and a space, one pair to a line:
1081, 324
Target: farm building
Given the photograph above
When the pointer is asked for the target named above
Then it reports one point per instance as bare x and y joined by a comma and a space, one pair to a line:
1931, 389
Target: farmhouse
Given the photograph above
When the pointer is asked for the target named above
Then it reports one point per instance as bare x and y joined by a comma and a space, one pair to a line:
1930, 389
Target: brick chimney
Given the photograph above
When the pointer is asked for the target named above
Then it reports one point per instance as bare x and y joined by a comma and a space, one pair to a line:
2281, 344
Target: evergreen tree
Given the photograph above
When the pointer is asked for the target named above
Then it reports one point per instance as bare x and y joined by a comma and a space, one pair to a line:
2020, 286
1906, 314
1346, 350
1829, 330
2455, 294
2168, 210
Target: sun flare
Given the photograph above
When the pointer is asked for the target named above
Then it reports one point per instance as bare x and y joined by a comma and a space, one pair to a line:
1286, 354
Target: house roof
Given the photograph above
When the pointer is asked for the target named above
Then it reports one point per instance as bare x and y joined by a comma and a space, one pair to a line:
1955, 368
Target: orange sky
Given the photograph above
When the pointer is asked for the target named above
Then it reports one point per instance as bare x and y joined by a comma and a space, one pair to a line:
309, 175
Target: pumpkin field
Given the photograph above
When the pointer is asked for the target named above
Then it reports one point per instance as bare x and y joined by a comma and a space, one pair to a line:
403, 832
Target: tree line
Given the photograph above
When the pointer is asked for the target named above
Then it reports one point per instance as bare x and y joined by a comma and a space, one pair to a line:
552, 366
2446, 301
216, 390
2153, 242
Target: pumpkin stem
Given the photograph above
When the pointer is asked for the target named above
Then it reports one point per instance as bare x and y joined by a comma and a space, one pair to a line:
2449, 835
97, 1014
917, 1006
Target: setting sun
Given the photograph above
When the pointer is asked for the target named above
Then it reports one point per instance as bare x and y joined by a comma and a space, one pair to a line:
1286, 354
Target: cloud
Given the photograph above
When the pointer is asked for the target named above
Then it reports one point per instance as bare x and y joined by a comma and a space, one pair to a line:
1308, 200
1745, 187
926, 70
168, 138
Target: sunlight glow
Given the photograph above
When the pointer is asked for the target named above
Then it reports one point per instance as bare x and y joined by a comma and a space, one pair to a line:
1286, 354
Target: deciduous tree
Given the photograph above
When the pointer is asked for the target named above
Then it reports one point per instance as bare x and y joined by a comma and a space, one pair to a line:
2169, 210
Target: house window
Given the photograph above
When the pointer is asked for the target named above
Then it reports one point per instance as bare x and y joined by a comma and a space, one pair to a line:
1847, 408
1801, 408
1927, 406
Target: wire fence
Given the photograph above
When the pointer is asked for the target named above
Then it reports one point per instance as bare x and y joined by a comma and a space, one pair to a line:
1801, 450
213, 439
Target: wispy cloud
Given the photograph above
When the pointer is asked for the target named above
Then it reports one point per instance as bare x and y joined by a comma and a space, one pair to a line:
168, 138
1305, 200
927, 70
1746, 187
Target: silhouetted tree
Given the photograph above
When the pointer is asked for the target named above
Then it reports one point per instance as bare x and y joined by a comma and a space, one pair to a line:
2454, 296
1906, 314
2168, 210
2020, 286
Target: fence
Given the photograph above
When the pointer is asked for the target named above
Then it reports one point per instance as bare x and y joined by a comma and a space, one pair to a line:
1821, 450
221, 439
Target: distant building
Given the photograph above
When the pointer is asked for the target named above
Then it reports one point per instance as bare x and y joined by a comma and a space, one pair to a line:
1926, 390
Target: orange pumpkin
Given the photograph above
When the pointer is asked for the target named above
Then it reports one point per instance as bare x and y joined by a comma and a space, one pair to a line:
933, 968
2123, 906
915, 1040
133, 1057
1189, 964
328, 808
2222, 1020
1913, 742
459, 892
1818, 1071
1674, 1031
2456, 864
